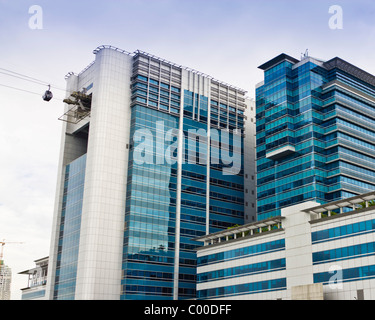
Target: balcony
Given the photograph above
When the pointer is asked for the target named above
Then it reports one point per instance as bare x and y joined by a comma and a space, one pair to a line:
282, 152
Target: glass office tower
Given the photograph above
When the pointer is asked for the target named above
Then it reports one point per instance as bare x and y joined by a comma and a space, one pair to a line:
154, 145
315, 132
66, 266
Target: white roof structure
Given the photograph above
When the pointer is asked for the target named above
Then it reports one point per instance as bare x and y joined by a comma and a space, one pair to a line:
251, 227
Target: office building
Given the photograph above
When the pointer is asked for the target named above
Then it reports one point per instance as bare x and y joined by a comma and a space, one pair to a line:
5, 281
315, 132
309, 252
36, 281
152, 156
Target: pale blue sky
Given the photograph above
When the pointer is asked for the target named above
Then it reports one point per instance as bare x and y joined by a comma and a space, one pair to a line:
226, 39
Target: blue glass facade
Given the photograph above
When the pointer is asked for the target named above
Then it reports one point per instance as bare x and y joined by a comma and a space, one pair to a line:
345, 231
248, 288
150, 217
240, 253
315, 129
351, 274
236, 255
67, 258
226, 191
342, 253
34, 295
154, 193
250, 269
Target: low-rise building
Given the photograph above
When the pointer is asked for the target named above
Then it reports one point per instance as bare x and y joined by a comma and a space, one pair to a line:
311, 251
37, 280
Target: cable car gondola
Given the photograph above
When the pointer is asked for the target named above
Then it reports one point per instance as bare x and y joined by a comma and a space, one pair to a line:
48, 94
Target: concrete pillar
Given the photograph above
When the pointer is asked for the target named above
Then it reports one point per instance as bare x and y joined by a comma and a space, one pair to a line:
298, 249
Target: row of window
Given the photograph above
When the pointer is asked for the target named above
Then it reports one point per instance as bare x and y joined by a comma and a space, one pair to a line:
152, 258
356, 141
213, 181
357, 183
308, 177
343, 231
287, 136
147, 235
272, 207
174, 109
289, 196
247, 288
226, 211
337, 254
154, 93
299, 117
356, 115
345, 275
33, 295
152, 207
226, 197
245, 270
358, 85
275, 72
355, 127
257, 249
157, 83
215, 104
154, 275
357, 169
313, 178
134, 292
147, 290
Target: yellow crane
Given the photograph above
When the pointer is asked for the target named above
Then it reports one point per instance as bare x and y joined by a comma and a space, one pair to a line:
3, 243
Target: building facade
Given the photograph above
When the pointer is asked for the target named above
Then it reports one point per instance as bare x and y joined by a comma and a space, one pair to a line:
152, 156
37, 281
5, 281
311, 251
315, 132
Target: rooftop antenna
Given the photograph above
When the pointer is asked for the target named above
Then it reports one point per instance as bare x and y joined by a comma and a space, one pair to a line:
305, 55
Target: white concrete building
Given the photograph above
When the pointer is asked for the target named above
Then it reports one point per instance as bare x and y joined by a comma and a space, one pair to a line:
36, 282
311, 251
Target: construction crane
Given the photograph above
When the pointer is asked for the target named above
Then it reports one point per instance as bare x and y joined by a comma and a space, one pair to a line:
3, 243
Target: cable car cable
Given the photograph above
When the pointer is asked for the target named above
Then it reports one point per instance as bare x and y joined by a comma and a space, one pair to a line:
10, 87
31, 79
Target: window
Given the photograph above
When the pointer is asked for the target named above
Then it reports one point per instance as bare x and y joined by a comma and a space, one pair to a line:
142, 78
174, 89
